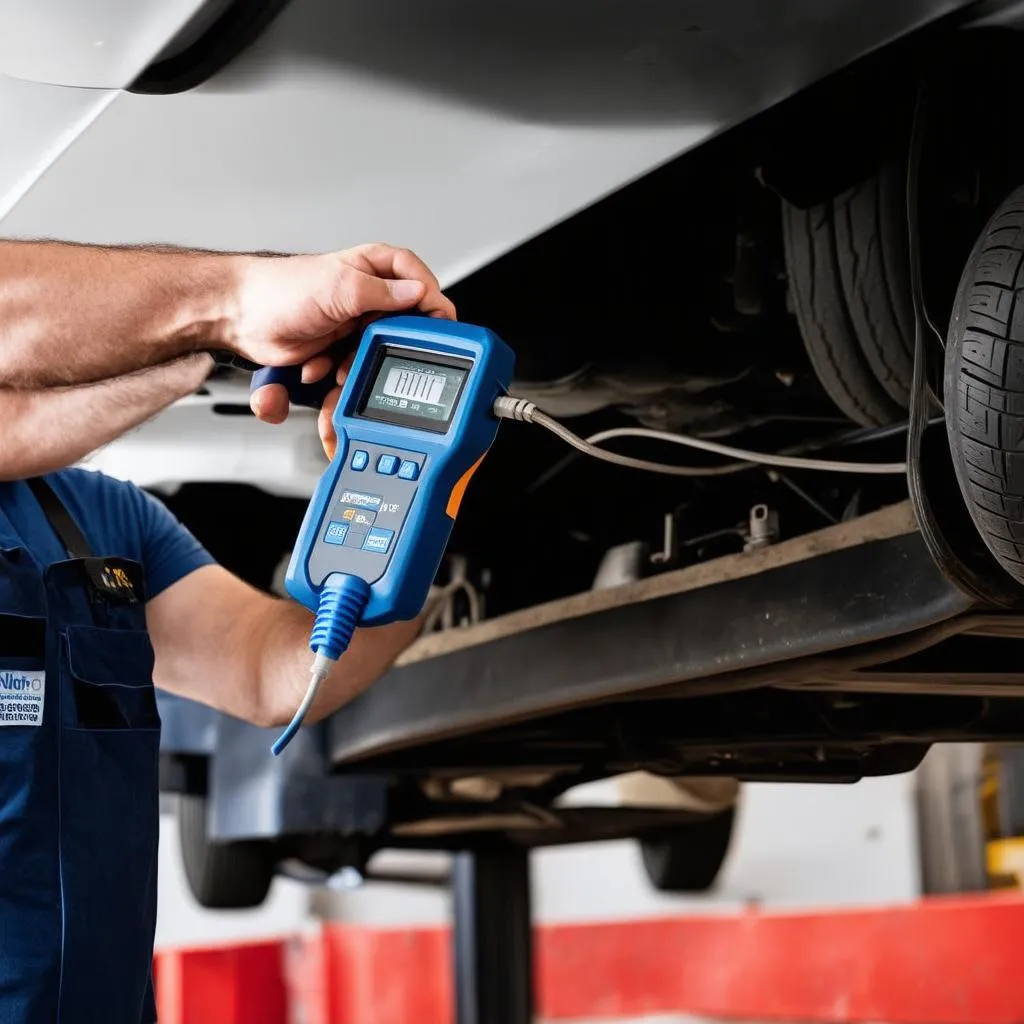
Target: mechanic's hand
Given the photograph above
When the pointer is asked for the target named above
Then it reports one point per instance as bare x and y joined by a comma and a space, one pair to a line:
293, 307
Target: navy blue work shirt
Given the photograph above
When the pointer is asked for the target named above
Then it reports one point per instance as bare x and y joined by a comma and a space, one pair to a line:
117, 518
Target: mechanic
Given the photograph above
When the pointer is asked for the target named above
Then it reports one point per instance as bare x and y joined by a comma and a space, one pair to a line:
103, 592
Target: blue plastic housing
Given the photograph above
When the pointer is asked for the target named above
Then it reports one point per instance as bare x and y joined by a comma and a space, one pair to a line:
418, 547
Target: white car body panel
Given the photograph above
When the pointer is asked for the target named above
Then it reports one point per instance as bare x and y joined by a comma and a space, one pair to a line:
94, 44
457, 129
39, 122
460, 130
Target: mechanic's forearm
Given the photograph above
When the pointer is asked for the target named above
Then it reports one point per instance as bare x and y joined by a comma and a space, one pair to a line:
45, 430
72, 314
285, 660
224, 643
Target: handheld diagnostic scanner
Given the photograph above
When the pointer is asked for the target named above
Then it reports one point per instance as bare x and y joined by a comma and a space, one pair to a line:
414, 422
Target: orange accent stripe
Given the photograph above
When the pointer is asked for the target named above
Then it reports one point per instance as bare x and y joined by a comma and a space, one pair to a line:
459, 490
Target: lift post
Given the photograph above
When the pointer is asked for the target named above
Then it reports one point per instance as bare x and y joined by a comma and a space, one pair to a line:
492, 935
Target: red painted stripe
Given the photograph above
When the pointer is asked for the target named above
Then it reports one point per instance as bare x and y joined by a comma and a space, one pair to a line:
938, 962
227, 985
955, 961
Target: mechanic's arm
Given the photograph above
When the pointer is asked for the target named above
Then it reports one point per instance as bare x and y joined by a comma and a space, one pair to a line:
77, 314
50, 428
225, 644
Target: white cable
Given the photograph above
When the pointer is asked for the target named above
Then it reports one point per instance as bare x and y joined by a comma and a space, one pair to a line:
761, 458
318, 673
527, 412
447, 592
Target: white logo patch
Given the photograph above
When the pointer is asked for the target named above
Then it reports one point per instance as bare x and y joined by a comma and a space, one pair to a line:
21, 696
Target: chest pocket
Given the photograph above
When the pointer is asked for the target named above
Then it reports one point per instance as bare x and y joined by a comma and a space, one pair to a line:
111, 675
22, 637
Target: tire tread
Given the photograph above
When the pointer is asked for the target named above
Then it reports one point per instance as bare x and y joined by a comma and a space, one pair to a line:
846, 260
984, 385
688, 858
221, 876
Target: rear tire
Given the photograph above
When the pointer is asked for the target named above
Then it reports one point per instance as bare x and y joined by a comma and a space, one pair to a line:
688, 858
222, 876
984, 385
848, 278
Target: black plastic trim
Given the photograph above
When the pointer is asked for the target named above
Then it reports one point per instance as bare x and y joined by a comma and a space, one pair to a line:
231, 34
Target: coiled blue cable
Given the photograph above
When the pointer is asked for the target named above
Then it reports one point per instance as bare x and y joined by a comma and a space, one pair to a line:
342, 601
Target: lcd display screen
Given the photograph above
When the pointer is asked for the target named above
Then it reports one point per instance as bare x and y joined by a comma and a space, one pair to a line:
413, 391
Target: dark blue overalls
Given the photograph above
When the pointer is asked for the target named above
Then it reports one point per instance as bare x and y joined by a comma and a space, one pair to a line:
79, 816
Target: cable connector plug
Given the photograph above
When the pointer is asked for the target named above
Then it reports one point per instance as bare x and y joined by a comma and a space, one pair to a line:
508, 408
342, 601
